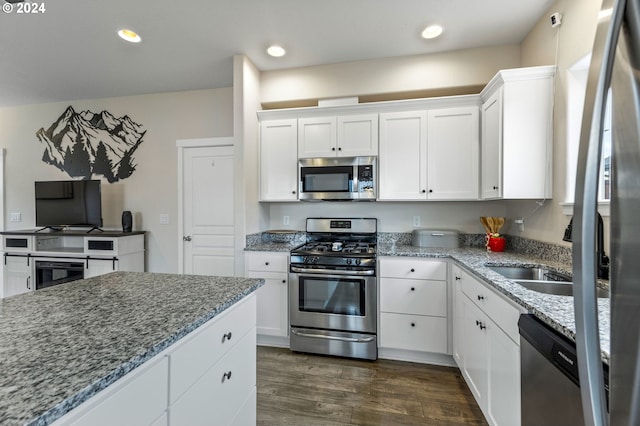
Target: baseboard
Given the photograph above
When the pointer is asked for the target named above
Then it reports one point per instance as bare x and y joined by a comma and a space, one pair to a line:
416, 356
275, 341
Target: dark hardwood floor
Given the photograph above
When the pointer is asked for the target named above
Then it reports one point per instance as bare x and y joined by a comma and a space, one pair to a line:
303, 389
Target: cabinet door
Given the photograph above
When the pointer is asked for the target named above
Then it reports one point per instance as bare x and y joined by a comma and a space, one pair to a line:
475, 351
317, 137
273, 307
97, 267
453, 153
278, 160
18, 278
504, 379
358, 135
491, 142
403, 156
457, 317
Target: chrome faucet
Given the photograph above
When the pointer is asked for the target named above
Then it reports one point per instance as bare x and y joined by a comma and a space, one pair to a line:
603, 259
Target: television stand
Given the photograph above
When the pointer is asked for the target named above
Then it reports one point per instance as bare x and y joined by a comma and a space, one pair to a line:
52, 228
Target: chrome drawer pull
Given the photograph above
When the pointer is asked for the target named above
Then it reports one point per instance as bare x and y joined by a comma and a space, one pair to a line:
226, 376
226, 337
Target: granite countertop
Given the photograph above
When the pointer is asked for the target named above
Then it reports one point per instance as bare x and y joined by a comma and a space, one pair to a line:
61, 345
556, 311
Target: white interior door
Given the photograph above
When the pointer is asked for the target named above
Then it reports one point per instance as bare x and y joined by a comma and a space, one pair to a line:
208, 210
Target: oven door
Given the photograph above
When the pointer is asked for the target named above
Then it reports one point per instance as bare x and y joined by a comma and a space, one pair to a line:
55, 272
333, 301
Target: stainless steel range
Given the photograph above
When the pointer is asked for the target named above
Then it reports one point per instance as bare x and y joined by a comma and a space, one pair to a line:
333, 289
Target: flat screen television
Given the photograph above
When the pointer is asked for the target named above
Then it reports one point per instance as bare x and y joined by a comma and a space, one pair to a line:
64, 203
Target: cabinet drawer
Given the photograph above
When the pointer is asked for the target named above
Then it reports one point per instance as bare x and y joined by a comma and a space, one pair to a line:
413, 332
218, 395
207, 346
123, 405
17, 243
267, 262
503, 313
418, 297
413, 268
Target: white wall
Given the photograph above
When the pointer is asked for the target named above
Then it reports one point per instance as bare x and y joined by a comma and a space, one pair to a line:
392, 216
470, 67
151, 190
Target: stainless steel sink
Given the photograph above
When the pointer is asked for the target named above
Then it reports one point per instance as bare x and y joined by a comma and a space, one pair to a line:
530, 273
558, 288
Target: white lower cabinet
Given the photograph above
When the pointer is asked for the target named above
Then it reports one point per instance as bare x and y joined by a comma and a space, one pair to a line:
18, 276
208, 377
413, 307
273, 307
221, 391
122, 404
486, 347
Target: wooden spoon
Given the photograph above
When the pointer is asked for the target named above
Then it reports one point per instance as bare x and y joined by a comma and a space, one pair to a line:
491, 224
485, 224
499, 222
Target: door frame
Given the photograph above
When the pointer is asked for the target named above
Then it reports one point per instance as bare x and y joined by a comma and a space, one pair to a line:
181, 145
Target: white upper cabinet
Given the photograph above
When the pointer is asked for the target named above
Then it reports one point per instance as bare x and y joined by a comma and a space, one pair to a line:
341, 136
517, 134
429, 155
358, 135
317, 137
403, 156
491, 179
453, 153
278, 160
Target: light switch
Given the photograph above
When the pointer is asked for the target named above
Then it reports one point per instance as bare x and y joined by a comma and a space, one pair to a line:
16, 217
164, 219
416, 221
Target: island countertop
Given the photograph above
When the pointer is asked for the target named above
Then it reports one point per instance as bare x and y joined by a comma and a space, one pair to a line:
61, 345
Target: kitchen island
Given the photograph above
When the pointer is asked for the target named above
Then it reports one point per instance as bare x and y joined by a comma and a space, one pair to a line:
63, 345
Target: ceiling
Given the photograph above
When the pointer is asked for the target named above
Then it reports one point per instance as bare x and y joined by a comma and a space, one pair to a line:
71, 51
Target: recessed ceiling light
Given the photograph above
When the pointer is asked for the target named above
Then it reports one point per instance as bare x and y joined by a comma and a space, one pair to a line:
276, 51
432, 31
129, 35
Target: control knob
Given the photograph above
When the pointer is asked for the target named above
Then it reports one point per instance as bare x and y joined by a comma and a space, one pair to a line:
358, 262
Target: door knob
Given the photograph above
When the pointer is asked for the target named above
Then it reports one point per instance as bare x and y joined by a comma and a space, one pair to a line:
187, 238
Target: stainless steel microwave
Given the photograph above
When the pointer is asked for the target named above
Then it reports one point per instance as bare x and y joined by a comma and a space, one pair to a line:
334, 179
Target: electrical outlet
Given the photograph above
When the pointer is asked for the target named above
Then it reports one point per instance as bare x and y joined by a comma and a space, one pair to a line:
285, 220
416, 221
520, 224
16, 217
164, 219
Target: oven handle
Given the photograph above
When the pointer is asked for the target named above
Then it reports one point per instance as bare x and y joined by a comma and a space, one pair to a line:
344, 339
331, 271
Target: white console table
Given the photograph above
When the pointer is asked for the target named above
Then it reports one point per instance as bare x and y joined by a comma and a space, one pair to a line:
96, 253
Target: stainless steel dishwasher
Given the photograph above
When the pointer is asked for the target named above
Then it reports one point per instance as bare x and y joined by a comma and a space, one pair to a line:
549, 376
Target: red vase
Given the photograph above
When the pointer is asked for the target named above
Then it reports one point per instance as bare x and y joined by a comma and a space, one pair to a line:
496, 244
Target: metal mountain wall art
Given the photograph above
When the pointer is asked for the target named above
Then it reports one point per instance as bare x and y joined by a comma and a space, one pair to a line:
86, 144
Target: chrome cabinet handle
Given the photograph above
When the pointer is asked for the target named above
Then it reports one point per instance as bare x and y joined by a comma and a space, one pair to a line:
29, 283
226, 337
226, 376
186, 238
480, 297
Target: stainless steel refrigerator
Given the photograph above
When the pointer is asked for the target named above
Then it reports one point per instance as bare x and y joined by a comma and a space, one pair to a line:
615, 63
